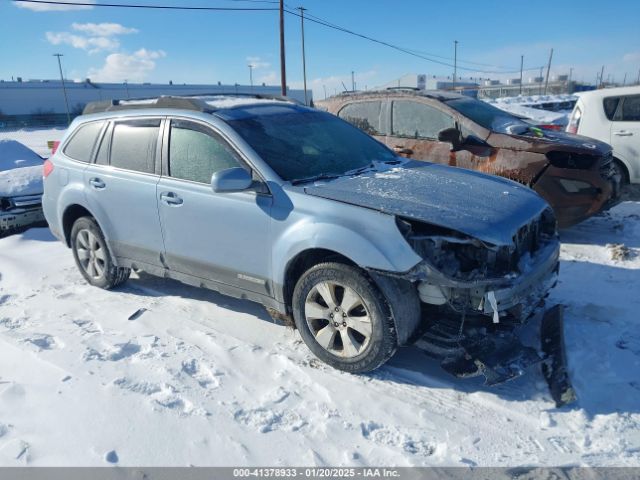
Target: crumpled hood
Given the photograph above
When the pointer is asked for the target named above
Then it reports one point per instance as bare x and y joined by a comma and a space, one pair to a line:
489, 208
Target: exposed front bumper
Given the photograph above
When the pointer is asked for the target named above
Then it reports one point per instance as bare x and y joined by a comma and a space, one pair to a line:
17, 219
516, 295
575, 194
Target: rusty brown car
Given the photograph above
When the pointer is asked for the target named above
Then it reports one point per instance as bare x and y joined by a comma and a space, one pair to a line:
573, 173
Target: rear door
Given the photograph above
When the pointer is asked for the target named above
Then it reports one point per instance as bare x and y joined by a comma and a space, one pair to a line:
625, 134
224, 237
121, 188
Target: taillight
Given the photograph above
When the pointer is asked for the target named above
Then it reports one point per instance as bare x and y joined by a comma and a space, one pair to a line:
55, 146
574, 122
47, 168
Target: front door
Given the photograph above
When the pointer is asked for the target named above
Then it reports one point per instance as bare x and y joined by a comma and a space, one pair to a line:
222, 237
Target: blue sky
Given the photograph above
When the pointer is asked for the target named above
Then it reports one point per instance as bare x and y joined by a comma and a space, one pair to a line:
111, 44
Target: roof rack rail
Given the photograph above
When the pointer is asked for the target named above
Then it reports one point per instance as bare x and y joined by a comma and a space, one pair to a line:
160, 102
196, 102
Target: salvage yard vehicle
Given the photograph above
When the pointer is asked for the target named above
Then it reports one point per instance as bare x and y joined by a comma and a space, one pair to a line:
574, 174
612, 115
363, 250
20, 187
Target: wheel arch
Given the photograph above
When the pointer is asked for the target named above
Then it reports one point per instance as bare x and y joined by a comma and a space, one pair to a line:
625, 167
302, 262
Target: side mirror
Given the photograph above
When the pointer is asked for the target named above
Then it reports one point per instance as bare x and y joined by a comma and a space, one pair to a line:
453, 136
231, 180
477, 146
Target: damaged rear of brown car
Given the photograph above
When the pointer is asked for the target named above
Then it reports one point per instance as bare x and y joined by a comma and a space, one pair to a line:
573, 174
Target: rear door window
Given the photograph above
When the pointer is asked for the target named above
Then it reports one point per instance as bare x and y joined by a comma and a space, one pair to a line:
81, 145
417, 120
133, 144
631, 109
364, 115
196, 152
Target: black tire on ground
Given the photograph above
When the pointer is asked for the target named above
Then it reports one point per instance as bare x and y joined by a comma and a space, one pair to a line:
382, 341
110, 275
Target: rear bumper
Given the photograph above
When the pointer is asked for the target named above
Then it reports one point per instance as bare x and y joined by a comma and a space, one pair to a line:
576, 195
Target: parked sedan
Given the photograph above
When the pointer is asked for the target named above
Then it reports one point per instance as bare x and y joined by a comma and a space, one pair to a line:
20, 187
574, 174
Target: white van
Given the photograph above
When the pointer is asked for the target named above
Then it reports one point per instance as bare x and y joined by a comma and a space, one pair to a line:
612, 115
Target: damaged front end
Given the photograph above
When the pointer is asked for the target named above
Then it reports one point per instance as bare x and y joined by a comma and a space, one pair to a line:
20, 212
476, 296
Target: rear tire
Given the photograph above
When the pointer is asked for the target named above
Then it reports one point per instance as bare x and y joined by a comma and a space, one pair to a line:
92, 255
343, 318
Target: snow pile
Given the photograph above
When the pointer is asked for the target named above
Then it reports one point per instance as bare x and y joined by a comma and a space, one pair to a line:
158, 373
20, 170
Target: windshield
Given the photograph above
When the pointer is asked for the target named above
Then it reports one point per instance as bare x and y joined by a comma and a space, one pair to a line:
488, 116
306, 144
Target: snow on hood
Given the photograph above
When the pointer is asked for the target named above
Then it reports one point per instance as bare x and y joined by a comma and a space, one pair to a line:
486, 207
20, 170
21, 181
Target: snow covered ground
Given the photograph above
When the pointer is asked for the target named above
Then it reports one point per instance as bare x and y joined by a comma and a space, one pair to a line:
197, 378
34, 138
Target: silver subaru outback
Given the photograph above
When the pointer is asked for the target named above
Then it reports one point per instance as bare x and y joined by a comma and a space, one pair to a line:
363, 251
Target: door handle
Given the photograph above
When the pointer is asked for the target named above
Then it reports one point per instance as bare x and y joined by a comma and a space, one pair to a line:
171, 198
97, 183
402, 150
623, 133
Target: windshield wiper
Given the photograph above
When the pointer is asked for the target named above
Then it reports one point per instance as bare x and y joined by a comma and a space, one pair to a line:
320, 176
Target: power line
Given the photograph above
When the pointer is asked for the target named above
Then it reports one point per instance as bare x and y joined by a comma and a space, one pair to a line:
313, 18
309, 17
157, 7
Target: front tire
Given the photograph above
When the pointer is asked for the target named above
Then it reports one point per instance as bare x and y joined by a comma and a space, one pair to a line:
92, 255
343, 318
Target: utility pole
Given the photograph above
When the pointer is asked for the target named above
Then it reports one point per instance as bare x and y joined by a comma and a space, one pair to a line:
455, 62
546, 82
521, 66
540, 77
324, 87
304, 61
64, 89
624, 80
353, 82
251, 75
283, 67
601, 77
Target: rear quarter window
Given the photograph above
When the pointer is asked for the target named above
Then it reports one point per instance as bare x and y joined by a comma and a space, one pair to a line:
610, 105
81, 145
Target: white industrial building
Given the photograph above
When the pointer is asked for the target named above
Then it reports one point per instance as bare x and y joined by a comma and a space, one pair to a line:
42, 101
